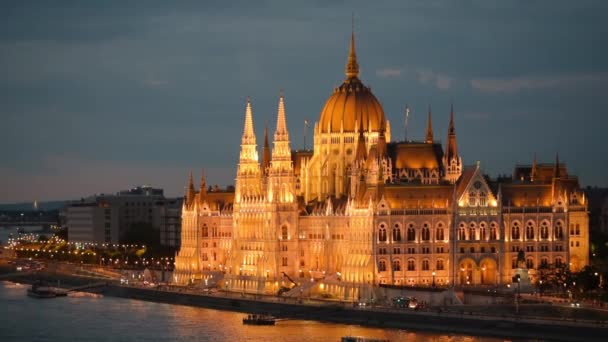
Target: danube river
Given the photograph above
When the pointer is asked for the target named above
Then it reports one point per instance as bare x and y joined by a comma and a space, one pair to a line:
114, 319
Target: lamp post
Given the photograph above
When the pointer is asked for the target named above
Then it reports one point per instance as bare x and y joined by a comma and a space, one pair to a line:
433, 278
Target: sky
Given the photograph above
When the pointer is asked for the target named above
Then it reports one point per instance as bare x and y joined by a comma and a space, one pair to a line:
96, 97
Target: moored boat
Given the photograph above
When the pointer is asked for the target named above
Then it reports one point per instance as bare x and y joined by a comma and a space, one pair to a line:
40, 291
361, 339
257, 319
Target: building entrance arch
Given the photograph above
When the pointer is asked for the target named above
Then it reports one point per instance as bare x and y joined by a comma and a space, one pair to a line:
488, 270
465, 273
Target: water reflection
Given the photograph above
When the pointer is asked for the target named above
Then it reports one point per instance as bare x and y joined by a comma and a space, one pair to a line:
115, 319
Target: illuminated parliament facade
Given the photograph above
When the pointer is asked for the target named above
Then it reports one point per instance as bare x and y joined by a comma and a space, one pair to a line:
360, 209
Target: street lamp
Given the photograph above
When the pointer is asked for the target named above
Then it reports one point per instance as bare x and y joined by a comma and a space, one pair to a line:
433, 278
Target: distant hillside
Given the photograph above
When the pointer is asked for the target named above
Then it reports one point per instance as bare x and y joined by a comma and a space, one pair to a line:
27, 206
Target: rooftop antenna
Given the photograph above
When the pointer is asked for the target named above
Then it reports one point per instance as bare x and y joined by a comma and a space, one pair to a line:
407, 116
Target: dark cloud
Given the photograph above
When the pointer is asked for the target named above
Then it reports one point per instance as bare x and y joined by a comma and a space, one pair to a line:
147, 90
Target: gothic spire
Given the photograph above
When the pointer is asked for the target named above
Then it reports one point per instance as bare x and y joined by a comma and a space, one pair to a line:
556, 166
265, 152
190, 192
534, 171
452, 150
248, 134
203, 186
281, 149
281, 131
352, 67
361, 151
429, 128
451, 130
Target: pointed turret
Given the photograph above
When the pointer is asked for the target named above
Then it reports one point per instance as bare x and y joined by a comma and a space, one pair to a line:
429, 128
281, 151
265, 152
281, 132
352, 67
451, 160
534, 171
280, 173
452, 150
190, 192
556, 173
248, 133
248, 174
361, 151
203, 186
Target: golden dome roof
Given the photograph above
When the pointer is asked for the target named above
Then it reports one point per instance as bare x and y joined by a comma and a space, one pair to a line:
352, 103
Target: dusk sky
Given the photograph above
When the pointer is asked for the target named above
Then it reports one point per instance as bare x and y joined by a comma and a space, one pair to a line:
96, 97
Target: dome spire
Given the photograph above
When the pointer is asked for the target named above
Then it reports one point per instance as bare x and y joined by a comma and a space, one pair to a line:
352, 67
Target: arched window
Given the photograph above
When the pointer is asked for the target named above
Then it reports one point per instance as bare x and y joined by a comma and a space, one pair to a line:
284, 233
426, 232
578, 229
439, 265
530, 263
382, 233
472, 235
529, 230
461, 233
483, 199
396, 265
439, 235
544, 262
205, 230
558, 261
559, 230
472, 197
544, 230
214, 231
411, 265
515, 231
482, 231
397, 233
493, 231
411, 233
381, 266
425, 265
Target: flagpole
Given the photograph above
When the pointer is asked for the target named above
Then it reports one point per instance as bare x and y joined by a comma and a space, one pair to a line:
305, 131
407, 115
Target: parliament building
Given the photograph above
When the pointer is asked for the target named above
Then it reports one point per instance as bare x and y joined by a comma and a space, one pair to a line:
360, 210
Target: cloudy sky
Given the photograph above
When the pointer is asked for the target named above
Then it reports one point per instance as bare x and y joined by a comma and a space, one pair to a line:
101, 96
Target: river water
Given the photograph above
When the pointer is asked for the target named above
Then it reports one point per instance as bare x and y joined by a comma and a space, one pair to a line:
115, 319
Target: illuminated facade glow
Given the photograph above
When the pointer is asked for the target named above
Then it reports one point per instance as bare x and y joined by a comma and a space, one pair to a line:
360, 210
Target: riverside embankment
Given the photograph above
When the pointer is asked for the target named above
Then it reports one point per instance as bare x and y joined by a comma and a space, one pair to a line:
455, 322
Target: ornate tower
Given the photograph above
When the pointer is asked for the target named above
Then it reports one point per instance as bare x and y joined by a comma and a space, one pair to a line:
281, 180
282, 205
248, 175
451, 160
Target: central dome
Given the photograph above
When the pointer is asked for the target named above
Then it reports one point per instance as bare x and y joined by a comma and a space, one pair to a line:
352, 106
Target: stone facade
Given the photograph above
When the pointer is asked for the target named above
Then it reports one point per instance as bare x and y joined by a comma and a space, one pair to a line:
359, 210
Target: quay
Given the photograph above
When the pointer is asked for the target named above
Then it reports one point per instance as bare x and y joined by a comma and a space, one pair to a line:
452, 319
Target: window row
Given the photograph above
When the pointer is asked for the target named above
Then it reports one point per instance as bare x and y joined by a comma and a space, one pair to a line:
412, 250
530, 230
423, 234
411, 265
